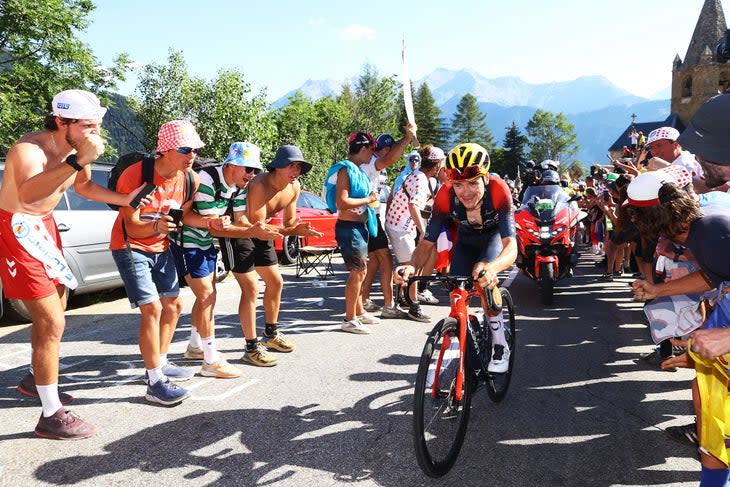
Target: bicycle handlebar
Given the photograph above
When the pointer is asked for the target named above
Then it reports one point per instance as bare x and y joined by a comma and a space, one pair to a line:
451, 283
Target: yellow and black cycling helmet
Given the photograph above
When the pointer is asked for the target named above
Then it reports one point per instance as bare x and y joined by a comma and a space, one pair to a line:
467, 161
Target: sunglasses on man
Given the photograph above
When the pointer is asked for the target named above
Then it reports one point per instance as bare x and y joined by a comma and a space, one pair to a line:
186, 150
250, 170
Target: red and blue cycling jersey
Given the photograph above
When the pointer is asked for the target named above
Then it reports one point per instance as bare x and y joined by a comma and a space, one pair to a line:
473, 243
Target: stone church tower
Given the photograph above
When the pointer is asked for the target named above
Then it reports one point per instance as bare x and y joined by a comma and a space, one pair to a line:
699, 77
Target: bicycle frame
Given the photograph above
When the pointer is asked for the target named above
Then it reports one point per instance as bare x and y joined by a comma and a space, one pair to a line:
459, 298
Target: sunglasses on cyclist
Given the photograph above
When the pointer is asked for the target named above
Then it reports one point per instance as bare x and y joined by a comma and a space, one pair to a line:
186, 150
254, 170
469, 172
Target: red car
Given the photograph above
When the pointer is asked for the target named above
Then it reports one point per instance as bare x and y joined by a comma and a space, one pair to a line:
310, 208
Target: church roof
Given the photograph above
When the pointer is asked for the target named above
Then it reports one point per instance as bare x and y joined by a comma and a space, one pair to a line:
646, 127
709, 30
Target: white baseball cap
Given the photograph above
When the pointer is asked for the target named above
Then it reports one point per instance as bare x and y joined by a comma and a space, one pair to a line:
669, 133
77, 105
643, 191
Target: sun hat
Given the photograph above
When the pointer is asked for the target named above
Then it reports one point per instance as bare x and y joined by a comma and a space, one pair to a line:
669, 133
707, 133
288, 154
643, 191
244, 154
178, 133
77, 105
383, 141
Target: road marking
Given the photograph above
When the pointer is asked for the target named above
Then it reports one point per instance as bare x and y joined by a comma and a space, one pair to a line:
89, 378
555, 440
225, 395
510, 277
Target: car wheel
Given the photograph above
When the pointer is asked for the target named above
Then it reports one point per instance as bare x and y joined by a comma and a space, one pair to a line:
220, 269
290, 251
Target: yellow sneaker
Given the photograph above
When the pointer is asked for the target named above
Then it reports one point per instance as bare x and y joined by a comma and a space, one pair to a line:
277, 342
259, 356
220, 370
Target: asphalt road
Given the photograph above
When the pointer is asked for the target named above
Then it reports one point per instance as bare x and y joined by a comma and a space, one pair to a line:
337, 411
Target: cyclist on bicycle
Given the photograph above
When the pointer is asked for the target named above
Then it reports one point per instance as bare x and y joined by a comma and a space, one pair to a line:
479, 205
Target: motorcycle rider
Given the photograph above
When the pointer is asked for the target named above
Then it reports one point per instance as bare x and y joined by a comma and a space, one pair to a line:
479, 204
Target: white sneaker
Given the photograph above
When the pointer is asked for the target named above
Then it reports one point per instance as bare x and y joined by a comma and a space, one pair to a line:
368, 319
500, 360
354, 326
393, 312
425, 297
370, 306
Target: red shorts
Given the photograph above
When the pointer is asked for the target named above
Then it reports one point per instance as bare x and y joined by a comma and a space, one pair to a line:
23, 276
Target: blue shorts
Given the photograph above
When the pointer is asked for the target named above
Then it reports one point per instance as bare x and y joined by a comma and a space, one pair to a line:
195, 262
352, 237
147, 276
472, 247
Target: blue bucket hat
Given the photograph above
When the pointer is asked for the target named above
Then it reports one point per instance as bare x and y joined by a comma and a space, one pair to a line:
244, 154
286, 155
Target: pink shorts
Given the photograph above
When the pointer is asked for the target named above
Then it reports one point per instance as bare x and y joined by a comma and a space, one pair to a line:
23, 276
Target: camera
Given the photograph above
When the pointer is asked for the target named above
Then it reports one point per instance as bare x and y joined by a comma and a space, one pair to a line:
722, 50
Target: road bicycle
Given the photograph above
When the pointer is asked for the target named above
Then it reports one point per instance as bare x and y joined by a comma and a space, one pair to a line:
453, 364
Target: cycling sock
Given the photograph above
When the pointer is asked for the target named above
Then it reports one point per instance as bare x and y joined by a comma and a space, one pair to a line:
496, 328
49, 399
270, 329
163, 359
210, 354
714, 477
195, 341
251, 344
155, 375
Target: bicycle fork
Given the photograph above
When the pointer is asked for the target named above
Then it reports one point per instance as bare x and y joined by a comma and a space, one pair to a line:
458, 298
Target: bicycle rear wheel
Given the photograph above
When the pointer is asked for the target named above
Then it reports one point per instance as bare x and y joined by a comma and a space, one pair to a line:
439, 419
497, 384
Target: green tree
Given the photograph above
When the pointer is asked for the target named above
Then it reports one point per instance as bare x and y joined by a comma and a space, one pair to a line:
376, 107
222, 110
469, 124
319, 129
40, 55
551, 137
514, 146
428, 118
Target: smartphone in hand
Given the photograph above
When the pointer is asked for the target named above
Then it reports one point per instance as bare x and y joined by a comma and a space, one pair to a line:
176, 214
148, 189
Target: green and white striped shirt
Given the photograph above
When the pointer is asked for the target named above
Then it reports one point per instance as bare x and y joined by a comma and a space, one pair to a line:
205, 204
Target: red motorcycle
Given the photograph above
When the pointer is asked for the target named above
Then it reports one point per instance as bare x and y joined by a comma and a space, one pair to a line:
546, 225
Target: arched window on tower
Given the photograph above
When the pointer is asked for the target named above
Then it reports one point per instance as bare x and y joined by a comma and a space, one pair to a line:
687, 87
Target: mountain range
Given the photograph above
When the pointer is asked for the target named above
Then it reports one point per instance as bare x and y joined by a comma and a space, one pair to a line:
599, 109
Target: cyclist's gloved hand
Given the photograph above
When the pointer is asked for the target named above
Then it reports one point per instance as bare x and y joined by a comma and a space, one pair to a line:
484, 275
402, 273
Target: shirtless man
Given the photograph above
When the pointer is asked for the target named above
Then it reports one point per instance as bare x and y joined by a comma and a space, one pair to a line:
270, 192
39, 168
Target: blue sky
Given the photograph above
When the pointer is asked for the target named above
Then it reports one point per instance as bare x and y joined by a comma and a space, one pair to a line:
278, 45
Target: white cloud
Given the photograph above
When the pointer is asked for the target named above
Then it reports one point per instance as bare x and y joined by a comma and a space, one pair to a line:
357, 32
316, 21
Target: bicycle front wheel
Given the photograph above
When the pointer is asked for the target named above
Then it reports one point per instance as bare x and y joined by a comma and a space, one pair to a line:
439, 417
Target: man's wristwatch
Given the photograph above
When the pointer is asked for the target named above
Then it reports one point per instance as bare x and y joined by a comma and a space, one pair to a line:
72, 161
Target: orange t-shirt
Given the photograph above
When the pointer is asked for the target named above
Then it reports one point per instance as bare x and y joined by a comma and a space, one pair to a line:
170, 193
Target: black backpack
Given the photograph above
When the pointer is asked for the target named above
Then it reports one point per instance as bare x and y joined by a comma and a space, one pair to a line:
148, 172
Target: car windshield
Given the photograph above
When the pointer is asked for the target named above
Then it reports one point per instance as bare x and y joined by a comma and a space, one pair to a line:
545, 197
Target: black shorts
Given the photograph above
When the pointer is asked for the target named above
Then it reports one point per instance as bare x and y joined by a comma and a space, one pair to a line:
245, 254
379, 242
